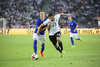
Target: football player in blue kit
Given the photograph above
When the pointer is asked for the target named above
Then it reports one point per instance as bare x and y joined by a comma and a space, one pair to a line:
41, 37
73, 30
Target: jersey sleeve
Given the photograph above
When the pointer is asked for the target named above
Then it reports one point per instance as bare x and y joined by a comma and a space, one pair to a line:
46, 22
75, 23
57, 16
37, 23
68, 23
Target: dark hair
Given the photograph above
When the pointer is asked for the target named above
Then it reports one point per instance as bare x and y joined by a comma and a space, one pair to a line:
51, 14
41, 11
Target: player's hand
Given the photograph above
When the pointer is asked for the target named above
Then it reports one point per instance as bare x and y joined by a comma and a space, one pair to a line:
38, 33
49, 23
48, 26
42, 29
68, 15
74, 30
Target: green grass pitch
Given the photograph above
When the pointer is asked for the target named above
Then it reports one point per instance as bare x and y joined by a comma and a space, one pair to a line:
16, 51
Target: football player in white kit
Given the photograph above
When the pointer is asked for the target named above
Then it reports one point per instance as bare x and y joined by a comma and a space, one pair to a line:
54, 30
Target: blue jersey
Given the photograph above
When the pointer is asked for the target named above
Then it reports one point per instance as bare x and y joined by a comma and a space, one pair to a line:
72, 25
38, 23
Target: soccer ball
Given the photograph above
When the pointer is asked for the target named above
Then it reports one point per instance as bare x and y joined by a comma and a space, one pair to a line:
34, 56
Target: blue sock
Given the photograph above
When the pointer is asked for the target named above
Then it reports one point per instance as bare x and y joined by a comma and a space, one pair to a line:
72, 41
35, 46
78, 39
42, 48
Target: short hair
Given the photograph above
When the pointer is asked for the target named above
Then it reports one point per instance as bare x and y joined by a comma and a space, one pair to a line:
51, 14
42, 11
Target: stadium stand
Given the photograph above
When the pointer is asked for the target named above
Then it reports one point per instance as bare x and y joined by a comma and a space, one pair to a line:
23, 13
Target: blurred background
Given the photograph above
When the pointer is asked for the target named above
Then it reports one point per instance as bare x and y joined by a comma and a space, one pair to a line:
23, 13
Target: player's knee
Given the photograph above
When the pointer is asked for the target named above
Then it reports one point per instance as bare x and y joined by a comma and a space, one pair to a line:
35, 39
58, 39
76, 38
43, 44
55, 46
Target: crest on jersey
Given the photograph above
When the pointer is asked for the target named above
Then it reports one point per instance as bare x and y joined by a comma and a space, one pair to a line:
71, 23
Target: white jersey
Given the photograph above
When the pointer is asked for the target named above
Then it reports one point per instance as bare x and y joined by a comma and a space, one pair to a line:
54, 27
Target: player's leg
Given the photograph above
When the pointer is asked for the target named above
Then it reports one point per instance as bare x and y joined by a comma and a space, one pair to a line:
58, 48
35, 37
42, 47
71, 37
61, 46
54, 42
76, 37
58, 38
42, 40
60, 42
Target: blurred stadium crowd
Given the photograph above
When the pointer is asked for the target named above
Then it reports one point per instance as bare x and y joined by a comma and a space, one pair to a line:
23, 13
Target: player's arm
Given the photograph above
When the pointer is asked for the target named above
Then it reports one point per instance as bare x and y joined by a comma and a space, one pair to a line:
76, 28
42, 29
48, 26
62, 14
39, 28
44, 23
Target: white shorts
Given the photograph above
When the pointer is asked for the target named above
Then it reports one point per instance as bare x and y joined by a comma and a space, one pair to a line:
41, 37
74, 35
